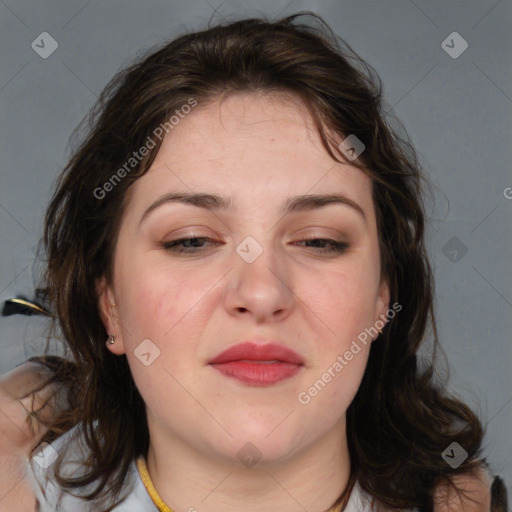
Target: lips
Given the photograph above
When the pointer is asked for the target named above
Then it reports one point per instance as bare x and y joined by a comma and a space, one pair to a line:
250, 351
258, 365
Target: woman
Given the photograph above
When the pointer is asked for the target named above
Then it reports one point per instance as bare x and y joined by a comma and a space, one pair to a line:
246, 231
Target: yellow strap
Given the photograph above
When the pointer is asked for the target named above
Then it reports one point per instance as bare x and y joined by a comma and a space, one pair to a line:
148, 484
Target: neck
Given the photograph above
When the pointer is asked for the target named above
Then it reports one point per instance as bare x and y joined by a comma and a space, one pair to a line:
190, 480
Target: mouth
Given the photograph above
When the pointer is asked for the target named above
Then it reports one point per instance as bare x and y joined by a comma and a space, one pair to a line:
258, 365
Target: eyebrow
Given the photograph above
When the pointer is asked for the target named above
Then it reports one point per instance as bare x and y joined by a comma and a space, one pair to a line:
214, 202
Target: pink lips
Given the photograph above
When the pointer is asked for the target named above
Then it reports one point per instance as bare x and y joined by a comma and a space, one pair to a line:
258, 365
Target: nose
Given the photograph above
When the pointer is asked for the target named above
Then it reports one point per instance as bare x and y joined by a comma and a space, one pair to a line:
260, 289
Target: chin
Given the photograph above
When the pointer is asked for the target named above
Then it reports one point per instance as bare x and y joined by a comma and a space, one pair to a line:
263, 449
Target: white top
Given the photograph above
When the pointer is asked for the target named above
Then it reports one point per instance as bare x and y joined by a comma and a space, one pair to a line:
138, 499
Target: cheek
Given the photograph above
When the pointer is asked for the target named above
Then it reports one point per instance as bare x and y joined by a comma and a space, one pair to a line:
346, 384
344, 299
169, 308
344, 305
153, 299
333, 387
155, 310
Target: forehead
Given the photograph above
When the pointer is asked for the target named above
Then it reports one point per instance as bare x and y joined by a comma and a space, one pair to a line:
263, 125
249, 144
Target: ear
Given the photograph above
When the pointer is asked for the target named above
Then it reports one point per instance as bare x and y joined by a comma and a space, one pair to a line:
382, 304
107, 309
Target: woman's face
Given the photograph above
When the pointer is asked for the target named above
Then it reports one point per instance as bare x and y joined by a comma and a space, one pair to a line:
250, 275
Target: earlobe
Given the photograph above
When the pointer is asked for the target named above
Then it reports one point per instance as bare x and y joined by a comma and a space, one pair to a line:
108, 314
115, 345
112, 347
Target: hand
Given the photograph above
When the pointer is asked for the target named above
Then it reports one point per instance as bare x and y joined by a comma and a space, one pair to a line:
20, 432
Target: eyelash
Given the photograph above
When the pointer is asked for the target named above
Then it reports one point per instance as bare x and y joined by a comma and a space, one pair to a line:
173, 245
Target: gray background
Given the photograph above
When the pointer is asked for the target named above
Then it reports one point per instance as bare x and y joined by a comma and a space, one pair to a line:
458, 112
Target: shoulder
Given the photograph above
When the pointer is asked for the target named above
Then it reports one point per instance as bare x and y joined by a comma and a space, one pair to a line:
53, 498
49, 495
472, 493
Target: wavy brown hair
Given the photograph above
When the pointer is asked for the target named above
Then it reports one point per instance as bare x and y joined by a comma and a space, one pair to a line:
401, 418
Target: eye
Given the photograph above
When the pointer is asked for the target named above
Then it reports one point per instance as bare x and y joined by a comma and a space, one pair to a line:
333, 246
186, 245
195, 244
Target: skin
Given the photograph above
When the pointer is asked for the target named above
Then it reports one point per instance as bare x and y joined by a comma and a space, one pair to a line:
259, 150
17, 439
312, 303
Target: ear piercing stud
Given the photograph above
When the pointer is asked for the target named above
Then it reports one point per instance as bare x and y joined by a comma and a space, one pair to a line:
111, 339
